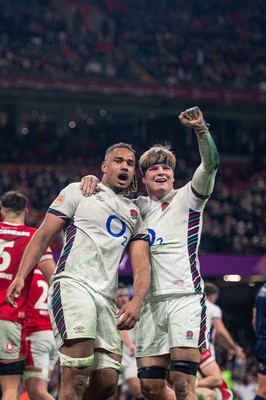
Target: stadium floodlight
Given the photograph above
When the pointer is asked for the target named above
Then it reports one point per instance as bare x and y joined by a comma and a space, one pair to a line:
232, 278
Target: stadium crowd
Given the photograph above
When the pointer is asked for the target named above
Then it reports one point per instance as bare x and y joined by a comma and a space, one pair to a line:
141, 42
235, 215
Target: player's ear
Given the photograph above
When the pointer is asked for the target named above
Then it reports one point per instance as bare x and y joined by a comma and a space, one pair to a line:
103, 167
2, 213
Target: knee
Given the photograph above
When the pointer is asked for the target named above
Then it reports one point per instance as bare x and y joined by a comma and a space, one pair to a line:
152, 381
37, 394
134, 385
151, 388
75, 372
181, 388
75, 378
108, 388
33, 392
262, 392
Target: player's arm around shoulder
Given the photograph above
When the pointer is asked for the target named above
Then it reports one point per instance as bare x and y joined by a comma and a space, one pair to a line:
89, 185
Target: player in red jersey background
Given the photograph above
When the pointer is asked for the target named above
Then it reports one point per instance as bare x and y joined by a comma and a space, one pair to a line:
42, 353
210, 382
14, 237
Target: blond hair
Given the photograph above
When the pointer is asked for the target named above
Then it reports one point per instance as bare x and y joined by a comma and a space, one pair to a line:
157, 154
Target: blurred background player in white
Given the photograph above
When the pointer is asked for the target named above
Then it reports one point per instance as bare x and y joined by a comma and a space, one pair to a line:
82, 294
129, 377
218, 332
14, 237
42, 353
259, 325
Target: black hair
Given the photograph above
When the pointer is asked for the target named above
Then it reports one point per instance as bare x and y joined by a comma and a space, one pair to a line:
14, 201
211, 288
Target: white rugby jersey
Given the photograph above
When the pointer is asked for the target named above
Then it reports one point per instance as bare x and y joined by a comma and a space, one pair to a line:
175, 224
213, 312
97, 232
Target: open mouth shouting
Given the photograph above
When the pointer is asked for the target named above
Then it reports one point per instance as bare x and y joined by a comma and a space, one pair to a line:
122, 177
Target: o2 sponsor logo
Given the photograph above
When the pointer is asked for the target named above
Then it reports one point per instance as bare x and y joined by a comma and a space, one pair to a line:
116, 227
153, 238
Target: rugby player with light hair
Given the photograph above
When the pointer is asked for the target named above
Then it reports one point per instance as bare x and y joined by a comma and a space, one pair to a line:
172, 326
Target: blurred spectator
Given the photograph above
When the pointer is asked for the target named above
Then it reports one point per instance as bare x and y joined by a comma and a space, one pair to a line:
167, 42
235, 215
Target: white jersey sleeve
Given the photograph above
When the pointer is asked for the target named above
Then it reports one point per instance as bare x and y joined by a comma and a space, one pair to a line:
67, 201
213, 312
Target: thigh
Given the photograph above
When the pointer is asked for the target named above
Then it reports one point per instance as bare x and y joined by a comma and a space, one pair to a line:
152, 330
12, 341
185, 353
78, 348
10, 384
35, 385
262, 381
108, 337
130, 365
160, 361
72, 310
42, 355
53, 353
186, 325
38, 349
260, 352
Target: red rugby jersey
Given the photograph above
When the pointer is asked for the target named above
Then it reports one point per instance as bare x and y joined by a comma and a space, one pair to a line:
13, 241
37, 317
